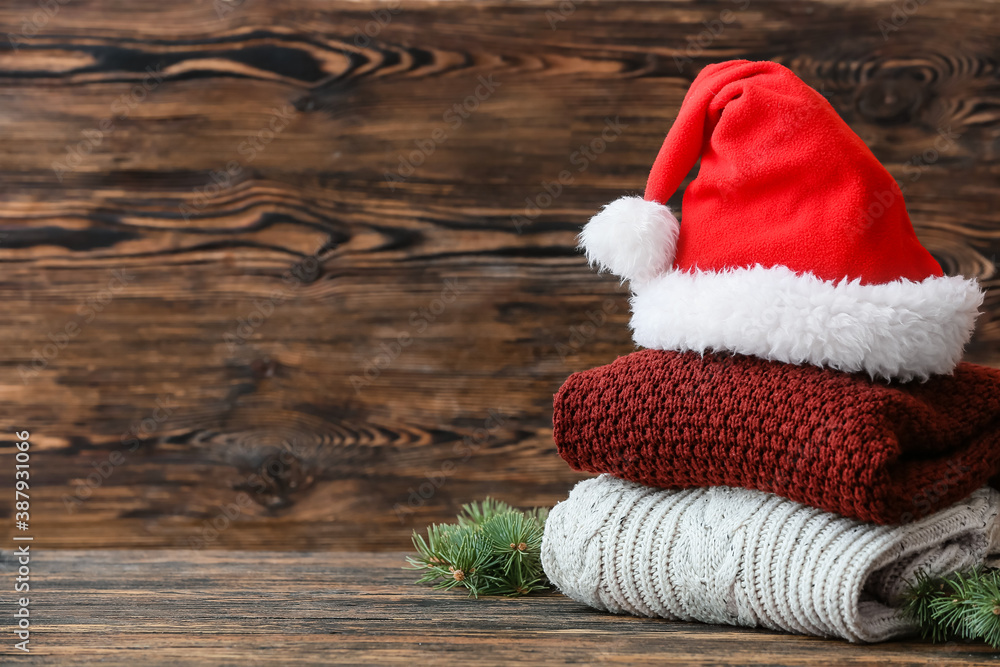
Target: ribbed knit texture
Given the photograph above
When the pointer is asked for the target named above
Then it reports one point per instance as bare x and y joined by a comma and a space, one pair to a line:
886, 453
742, 557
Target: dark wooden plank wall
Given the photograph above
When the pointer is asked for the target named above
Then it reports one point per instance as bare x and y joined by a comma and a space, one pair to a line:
289, 349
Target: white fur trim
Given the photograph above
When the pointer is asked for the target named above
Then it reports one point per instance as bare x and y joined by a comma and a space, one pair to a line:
900, 330
632, 238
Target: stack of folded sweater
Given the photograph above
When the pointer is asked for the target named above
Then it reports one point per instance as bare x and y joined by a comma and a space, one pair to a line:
801, 438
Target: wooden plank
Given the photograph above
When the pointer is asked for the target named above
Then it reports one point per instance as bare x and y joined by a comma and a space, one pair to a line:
225, 369
235, 608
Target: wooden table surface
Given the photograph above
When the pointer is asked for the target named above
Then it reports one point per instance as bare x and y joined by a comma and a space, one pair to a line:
177, 607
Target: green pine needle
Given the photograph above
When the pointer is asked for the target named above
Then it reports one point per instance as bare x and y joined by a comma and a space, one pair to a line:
493, 549
964, 605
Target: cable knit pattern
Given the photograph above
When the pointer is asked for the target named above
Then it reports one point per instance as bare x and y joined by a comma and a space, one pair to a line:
742, 557
881, 452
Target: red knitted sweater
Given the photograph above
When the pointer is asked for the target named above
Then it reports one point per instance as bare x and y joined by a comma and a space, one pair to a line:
887, 453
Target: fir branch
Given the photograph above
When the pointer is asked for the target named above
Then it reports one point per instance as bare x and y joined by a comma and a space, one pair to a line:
962, 604
493, 549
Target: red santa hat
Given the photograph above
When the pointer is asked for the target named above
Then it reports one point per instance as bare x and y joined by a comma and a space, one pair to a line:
795, 244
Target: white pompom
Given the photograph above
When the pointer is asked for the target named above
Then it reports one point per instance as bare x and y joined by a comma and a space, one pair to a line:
632, 238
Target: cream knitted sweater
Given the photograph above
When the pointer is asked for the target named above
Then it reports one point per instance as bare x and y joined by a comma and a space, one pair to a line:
743, 557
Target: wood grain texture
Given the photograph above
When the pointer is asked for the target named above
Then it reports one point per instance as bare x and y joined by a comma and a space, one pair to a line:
296, 350
171, 607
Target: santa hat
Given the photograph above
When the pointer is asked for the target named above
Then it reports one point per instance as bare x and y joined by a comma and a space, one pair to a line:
795, 246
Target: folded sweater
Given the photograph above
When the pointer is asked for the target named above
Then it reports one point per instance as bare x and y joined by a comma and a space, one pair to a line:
875, 451
742, 557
